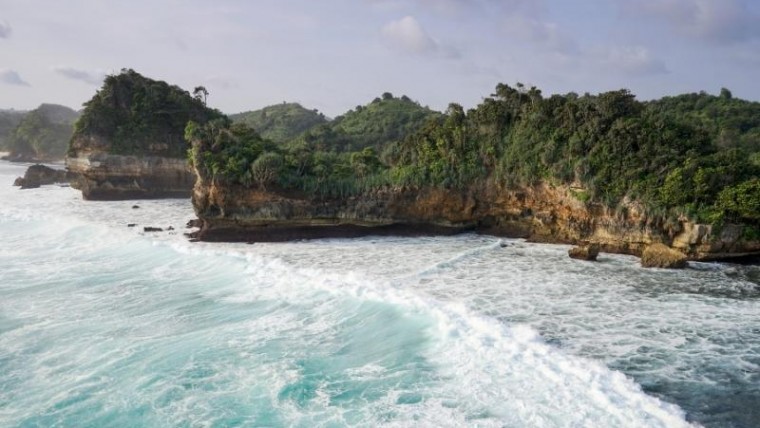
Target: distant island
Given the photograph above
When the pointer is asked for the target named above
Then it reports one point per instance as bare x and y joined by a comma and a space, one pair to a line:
40, 135
605, 169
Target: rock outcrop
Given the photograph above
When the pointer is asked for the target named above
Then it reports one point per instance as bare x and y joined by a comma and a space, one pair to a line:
543, 213
587, 252
129, 141
662, 256
106, 176
40, 175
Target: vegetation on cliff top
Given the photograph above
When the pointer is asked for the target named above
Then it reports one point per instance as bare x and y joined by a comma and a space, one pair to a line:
43, 134
281, 122
132, 114
696, 155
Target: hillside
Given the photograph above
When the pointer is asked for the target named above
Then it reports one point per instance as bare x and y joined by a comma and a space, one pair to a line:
385, 120
42, 135
9, 119
280, 122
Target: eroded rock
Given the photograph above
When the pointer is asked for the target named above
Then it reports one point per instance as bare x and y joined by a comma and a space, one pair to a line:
587, 252
40, 175
662, 256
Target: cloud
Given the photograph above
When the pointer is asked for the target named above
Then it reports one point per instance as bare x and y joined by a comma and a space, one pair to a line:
545, 34
717, 21
11, 77
93, 78
5, 30
408, 35
631, 60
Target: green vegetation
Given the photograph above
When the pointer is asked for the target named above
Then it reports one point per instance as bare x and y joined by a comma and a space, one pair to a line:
281, 122
137, 115
695, 155
386, 119
43, 134
9, 120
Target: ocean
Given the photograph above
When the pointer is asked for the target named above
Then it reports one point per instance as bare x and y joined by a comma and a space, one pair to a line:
104, 325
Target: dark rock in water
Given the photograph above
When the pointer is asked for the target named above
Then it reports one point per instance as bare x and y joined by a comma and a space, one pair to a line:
503, 245
40, 175
134, 207
152, 229
587, 252
662, 256
194, 223
131, 225
170, 228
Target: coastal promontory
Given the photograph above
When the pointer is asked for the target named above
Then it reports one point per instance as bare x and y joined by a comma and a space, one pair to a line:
603, 169
128, 142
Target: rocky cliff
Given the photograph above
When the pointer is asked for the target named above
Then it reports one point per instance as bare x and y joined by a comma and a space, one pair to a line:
542, 213
129, 141
104, 176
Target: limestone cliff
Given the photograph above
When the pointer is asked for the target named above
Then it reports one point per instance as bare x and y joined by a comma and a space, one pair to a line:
104, 176
542, 213
129, 141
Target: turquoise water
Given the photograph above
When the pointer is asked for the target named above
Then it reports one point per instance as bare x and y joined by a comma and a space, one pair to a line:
102, 325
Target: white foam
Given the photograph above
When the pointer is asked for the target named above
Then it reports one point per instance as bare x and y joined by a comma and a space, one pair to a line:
517, 336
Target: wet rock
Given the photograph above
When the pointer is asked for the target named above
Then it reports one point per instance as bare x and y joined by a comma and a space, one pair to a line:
40, 175
135, 207
131, 225
170, 228
194, 223
152, 229
587, 252
662, 256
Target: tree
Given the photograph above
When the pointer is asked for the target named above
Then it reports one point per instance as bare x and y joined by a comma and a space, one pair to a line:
266, 168
201, 94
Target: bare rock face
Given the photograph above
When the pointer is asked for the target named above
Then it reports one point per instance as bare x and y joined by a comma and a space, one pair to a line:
587, 252
662, 256
106, 176
541, 213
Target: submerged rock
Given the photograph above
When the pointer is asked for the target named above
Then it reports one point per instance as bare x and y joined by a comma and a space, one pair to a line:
152, 229
587, 252
662, 256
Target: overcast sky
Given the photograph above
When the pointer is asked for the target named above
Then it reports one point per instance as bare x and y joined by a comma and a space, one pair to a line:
335, 54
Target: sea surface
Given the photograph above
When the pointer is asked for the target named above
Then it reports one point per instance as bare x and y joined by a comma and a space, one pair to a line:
103, 325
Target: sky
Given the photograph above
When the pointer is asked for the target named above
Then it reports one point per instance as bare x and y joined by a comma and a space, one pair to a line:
333, 55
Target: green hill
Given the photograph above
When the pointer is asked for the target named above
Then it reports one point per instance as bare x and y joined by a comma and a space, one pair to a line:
376, 125
280, 122
9, 120
134, 115
43, 134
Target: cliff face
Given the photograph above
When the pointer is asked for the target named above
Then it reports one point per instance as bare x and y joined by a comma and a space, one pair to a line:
104, 176
542, 213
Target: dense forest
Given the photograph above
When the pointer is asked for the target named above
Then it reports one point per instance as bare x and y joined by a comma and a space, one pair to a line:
694, 155
138, 115
281, 122
43, 134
